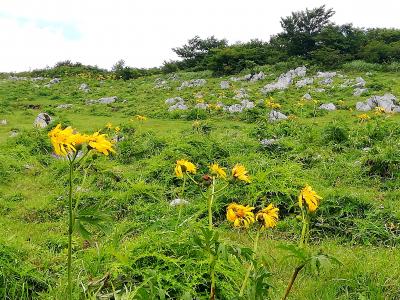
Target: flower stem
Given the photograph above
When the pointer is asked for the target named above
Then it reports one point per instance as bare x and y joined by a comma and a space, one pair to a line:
70, 229
210, 226
250, 267
304, 229
210, 203
292, 279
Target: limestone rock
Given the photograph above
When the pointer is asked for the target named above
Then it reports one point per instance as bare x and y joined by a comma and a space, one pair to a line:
275, 116
328, 106
42, 120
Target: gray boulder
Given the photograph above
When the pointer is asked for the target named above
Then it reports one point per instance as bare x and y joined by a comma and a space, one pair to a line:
268, 142
328, 106
387, 102
64, 106
257, 77
307, 96
178, 106
326, 81
42, 120
178, 202
360, 83
304, 82
107, 100
55, 80
361, 106
326, 74
359, 91
241, 94
284, 80
275, 116
224, 85
3, 122
171, 101
84, 87
192, 83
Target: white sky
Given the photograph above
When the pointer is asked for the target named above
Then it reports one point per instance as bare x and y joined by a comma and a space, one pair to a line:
36, 34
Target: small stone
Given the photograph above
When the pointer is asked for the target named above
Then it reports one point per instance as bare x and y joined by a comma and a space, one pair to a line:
328, 106
359, 91
42, 120
224, 85
64, 106
307, 96
55, 80
268, 142
3, 122
178, 202
276, 116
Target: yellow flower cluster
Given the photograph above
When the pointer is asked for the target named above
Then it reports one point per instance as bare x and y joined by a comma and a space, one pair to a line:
309, 197
140, 118
271, 104
66, 140
379, 110
363, 117
242, 216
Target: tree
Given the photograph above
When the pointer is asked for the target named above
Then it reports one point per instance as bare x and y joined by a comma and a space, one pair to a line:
301, 28
196, 49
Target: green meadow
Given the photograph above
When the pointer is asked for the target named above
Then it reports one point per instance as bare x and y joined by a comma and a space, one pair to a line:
140, 247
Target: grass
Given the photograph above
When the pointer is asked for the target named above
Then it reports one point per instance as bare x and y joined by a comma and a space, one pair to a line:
147, 253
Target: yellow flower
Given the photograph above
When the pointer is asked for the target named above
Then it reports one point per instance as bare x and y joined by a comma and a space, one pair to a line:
363, 117
268, 216
65, 140
240, 215
239, 172
196, 124
140, 118
310, 198
117, 129
270, 103
379, 110
109, 125
183, 166
99, 142
215, 169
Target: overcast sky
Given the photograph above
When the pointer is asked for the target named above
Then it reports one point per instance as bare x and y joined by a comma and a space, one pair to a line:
36, 34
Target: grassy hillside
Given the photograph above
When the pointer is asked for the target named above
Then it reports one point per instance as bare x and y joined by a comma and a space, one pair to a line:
147, 249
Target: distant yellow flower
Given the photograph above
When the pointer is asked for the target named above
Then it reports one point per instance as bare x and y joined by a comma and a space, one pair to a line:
310, 198
239, 172
292, 117
379, 110
268, 216
270, 103
215, 169
240, 215
65, 140
196, 124
183, 166
341, 102
140, 118
363, 117
100, 143
109, 125
117, 129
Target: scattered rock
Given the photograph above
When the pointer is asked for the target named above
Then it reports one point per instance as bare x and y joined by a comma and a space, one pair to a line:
178, 202
42, 120
15, 78
160, 83
174, 100
359, 91
55, 80
241, 94
64, 106
326, 81
192, 83
268, 142
320, 90
37, 79
257, 77
275, 116
304, 82
284, 80
387, 102
224, 85
84, 87
328, 106
173, 77
3, 122
325, 74
201, 106
360, 83
105, 100
307, 96
238, 108
13, 133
